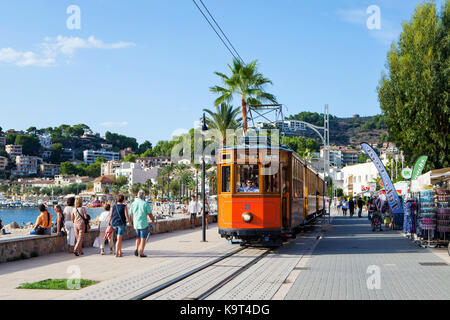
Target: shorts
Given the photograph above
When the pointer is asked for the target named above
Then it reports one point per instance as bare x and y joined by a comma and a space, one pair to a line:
193, 215
120, 230
142, 233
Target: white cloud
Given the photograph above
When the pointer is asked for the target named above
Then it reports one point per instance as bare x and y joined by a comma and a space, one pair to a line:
114, 124
354, 16
51, 48
388, 32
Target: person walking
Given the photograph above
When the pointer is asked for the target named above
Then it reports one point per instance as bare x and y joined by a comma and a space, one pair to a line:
372, 209
351, 207
43, 225
206, 212
344, 207
360, 203
139, 211
79, 219
70, 205
118, 220
103, 226
194, 209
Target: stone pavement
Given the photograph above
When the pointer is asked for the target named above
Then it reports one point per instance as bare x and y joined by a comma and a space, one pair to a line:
168, 253
352, 262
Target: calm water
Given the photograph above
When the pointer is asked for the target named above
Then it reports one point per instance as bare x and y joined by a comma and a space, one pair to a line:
23, 216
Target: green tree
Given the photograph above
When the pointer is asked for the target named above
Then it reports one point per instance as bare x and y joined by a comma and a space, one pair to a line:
245, 81
414, 94
223, 119
146, 145
131, 158
30, 144
57, 152
68, 168
121, 181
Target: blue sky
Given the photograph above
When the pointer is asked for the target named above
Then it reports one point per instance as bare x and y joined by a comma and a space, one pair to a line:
143, 68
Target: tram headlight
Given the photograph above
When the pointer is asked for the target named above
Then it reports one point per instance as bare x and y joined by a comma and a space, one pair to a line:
247, 216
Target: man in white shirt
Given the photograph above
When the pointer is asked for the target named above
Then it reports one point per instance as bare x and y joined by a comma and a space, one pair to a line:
194, 209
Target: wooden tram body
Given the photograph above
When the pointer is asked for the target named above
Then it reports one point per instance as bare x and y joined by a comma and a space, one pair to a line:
289, 194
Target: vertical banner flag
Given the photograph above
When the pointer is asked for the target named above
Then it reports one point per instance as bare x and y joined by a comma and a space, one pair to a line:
418, 167
391, 193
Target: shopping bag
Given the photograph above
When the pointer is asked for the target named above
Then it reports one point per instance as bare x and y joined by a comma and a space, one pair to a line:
150, 230
96, 242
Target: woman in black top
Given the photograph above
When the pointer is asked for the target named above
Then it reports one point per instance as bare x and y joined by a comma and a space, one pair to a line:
118, 220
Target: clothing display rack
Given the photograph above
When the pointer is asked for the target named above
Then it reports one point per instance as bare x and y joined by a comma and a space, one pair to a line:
442, 201
427, 218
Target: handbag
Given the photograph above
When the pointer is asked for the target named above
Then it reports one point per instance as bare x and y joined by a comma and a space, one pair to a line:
39, 230
87, 226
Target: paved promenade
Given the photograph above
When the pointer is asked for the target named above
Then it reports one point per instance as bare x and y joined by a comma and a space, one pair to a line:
334, 266
349, 256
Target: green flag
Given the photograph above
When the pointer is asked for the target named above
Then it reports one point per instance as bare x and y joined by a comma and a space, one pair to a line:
418, 167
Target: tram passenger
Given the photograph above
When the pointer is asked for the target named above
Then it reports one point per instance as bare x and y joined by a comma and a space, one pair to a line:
250, 187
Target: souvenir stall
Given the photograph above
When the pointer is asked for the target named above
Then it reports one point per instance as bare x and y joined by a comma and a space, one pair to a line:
427, 213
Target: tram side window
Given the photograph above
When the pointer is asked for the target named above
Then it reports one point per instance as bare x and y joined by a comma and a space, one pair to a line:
271, 182
226, 179
247, 178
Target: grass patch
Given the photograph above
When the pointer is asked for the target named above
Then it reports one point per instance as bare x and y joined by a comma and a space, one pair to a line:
57, 284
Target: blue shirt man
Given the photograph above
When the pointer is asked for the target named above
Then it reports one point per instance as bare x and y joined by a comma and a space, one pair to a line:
249, 187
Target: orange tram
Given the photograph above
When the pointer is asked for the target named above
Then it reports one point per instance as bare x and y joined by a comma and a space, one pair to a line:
265, 203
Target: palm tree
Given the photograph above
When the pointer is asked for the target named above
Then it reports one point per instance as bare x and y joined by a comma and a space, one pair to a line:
223, 119
246, 81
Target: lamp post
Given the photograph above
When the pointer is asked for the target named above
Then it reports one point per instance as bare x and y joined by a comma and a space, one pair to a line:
204, 130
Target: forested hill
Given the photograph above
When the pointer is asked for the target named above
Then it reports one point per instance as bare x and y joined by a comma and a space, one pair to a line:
347, 131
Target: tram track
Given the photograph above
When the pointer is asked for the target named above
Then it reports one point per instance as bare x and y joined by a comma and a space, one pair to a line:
151, 293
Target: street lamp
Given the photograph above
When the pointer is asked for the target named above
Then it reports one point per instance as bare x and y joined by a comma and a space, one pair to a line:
204, 131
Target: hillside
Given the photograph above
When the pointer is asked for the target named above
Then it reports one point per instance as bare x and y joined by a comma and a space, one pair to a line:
347, 131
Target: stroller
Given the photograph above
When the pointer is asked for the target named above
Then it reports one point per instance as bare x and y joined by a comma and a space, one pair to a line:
376, 221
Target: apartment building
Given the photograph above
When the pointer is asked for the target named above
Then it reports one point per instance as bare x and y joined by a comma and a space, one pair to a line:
341, 156
135, 173
13, 150
49, 170
3, 163
109, 168
152, 162
27, 165
90, 156
2, 141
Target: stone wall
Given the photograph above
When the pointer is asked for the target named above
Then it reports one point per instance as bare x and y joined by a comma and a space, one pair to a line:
17, 248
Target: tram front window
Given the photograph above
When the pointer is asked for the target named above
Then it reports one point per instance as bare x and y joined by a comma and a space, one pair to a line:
247, 178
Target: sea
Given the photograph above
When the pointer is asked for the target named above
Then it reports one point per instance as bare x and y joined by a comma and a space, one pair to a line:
25, 215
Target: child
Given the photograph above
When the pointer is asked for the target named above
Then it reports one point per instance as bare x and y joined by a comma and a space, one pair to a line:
102, 226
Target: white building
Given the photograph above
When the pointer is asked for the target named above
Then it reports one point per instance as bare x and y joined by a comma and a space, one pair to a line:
359, 177
135, 173
27, 165
45, 141
110, 167
13, 150
90, 156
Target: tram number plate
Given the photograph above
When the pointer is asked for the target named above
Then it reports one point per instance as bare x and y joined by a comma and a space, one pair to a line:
246, 207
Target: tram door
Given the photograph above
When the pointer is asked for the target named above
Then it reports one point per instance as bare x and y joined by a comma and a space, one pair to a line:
285, 196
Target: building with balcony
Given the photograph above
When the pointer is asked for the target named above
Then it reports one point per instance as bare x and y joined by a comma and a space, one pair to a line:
27, 165
109, 168
45, 141
152, 162
65, 180
49, 170
125, 152
3, 163
341, 156
135, 173
90, 156
2, 141
13, 150
359, 177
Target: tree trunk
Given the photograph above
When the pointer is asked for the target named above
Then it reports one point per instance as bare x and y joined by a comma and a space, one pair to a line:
244, 113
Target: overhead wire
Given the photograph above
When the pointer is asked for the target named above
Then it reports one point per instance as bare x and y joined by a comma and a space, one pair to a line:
217, 33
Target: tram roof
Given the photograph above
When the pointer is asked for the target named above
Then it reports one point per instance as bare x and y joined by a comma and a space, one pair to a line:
258, 146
